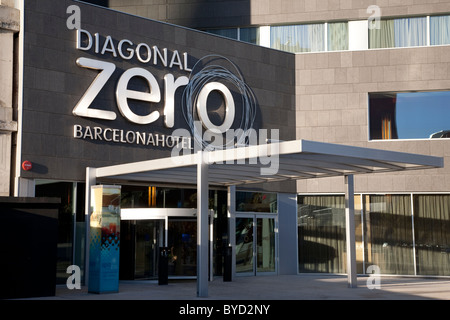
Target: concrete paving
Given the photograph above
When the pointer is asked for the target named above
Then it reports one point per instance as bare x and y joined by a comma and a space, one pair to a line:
281, 287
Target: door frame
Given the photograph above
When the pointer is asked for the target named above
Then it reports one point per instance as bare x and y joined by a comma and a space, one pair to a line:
255, 216
164, 214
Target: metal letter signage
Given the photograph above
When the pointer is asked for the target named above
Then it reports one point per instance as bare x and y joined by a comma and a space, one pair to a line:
82, 107
198, 87
122, 95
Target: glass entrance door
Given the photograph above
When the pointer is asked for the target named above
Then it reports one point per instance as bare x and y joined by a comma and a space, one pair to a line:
153, 228
182, 247
255, 245
149, 235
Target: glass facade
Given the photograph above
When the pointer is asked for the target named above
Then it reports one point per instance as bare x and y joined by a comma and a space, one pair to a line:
388, 233
409, 115
402, 234
432, 234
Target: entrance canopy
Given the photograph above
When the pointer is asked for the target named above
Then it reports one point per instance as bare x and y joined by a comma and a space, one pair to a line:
289, 160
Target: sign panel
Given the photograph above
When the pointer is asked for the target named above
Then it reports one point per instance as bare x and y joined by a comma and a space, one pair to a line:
104, 246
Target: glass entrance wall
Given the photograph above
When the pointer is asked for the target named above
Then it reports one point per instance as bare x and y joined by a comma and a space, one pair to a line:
321, 234
265, 245
164, 197
244, 245
402, 234
148, 236
256, 238
182, 246
388, 233
432, 234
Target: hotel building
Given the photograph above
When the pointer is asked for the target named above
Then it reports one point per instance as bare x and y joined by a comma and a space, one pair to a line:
367, 74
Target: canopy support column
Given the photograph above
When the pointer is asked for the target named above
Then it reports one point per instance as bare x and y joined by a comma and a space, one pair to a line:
350, 231
202, 225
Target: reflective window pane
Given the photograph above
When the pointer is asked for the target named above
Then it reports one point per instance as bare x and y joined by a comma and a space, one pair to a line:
321, 234
298, 38
265, 250
404, 32
388, 233
244, 245
432, 234
409, 115
256, 202
440, 30
337, 34
250, 35
228, 33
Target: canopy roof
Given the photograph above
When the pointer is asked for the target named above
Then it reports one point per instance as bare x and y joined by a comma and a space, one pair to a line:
288, 160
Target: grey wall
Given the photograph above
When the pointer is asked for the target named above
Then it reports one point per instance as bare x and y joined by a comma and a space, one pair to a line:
229, 13
191, 13
332, 106
53, 84
287, 233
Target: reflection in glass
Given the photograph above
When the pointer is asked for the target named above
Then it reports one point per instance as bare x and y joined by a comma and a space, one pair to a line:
228, 33
432, 234
321, 234
409, 115
147, 244
244, 245
256, 202
388, 233
182, 247
337, 36
251, 35
265, 237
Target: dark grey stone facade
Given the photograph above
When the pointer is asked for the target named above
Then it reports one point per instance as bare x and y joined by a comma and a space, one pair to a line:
54, 83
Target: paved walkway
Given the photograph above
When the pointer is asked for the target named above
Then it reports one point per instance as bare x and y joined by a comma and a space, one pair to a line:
296, 287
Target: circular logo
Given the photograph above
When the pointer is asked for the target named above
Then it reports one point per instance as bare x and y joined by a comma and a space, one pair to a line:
210, 74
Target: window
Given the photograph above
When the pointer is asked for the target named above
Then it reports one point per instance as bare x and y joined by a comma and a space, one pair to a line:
231, 33
440, 30
298, 38
403, 234
431, 229
250, 35
388, 233
405, 32
409, 115
337, 34
256, 202
321, 234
